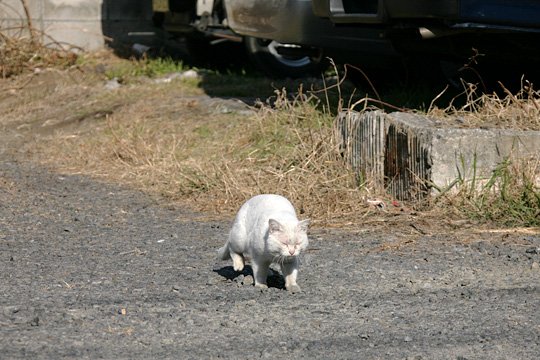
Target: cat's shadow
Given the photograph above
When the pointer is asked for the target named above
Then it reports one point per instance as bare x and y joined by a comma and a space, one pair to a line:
275, 279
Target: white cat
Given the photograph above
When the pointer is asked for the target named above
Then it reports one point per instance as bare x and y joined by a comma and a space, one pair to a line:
266, 230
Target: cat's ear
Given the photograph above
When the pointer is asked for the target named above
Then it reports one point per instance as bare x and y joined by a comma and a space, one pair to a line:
303, 225
274, 226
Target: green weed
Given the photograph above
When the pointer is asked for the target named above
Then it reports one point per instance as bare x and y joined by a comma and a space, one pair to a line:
510, 196
144, 67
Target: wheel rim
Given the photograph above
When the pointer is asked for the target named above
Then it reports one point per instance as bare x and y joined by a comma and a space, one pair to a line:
287, 60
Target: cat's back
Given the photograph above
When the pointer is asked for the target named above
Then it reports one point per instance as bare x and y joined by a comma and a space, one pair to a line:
264, 206
271, 202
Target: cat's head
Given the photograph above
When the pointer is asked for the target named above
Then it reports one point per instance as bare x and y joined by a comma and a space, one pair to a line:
288, 239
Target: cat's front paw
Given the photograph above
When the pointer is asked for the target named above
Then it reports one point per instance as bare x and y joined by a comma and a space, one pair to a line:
294, 288
238, 267
238, 263
261, 286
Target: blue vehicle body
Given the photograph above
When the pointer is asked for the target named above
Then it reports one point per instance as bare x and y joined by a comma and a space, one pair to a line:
516, 14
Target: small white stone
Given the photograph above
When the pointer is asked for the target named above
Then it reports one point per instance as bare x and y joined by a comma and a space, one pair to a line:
190, 74
112, 84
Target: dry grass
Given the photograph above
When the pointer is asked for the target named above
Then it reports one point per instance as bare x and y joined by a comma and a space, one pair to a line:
519, 110
23, 48
20, 54
216, 162
291, 150
168, 139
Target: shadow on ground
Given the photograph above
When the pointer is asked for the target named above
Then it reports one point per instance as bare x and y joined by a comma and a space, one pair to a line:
245, 277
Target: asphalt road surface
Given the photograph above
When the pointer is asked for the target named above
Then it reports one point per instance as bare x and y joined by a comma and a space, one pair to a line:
92, 270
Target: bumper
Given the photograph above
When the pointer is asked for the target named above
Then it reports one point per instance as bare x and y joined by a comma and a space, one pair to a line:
293, 21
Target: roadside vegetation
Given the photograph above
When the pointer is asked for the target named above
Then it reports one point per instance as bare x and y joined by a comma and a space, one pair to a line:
510, 196
163, 134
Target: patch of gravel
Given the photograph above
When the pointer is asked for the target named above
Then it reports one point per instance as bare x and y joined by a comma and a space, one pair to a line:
92, 270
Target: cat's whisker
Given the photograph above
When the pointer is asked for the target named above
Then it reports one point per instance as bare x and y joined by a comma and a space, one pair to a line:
279, 259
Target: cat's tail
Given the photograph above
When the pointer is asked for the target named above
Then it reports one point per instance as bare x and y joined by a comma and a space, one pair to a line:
223, 252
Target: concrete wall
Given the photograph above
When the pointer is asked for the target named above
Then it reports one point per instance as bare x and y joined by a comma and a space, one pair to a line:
88, 24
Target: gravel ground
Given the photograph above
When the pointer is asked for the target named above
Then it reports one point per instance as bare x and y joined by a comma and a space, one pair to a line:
91, 270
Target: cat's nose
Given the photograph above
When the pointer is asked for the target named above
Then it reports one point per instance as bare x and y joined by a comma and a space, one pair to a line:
291, 251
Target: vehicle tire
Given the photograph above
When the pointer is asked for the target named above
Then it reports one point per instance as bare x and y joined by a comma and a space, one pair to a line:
222, 55
199, 48
264, 55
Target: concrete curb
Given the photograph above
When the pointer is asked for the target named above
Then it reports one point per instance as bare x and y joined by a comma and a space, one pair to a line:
411, 155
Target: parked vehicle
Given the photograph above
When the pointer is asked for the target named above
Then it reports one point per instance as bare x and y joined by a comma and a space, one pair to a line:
446, 33
204, 24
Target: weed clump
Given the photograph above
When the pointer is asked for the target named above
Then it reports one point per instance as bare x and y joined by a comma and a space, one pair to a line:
20, 55
510, 196
292, 150
287, 147
145, 66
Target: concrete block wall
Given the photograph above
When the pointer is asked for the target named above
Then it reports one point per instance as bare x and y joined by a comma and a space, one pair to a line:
87, 24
